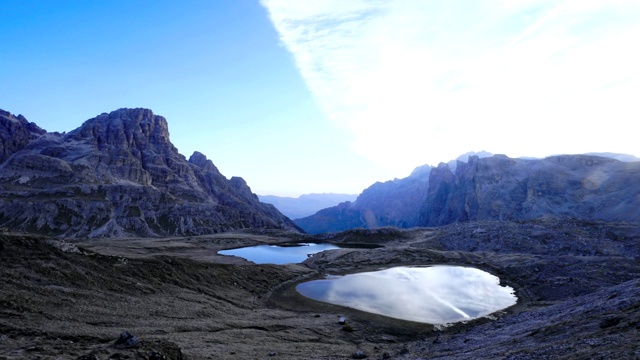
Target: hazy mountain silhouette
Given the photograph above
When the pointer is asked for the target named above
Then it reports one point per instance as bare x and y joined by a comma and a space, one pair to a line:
392, 203
305, 205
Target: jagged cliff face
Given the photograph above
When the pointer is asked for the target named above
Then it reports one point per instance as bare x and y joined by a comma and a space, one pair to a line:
118, 175
576, 186
493, 188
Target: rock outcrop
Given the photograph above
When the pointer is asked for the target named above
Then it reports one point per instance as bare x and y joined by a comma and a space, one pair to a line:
118, 175
584, 187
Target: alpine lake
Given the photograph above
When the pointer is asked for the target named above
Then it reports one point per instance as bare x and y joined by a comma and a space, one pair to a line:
288, 253
438, 294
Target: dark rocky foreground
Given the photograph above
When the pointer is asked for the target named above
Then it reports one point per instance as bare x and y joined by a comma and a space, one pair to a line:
577, 283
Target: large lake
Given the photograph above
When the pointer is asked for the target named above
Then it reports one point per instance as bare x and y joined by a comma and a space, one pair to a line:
435, 294
278, 254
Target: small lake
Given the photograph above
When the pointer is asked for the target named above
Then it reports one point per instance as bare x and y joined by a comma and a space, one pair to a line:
278, 254
434, 294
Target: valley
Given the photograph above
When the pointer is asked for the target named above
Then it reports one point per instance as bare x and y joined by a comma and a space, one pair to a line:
576, 283
110, 240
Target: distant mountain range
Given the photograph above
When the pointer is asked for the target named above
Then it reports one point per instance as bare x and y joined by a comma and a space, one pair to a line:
479, 187
118, 175
305, 205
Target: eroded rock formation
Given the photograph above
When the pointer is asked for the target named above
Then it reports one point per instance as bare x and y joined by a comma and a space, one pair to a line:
118, 175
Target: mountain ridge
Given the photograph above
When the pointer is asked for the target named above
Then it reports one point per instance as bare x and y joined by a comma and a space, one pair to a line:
586, 187
119, 175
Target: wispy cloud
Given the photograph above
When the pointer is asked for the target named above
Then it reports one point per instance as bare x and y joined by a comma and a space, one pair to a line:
424, 81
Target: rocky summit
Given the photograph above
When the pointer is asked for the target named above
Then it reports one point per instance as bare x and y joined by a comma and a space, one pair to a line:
118, 175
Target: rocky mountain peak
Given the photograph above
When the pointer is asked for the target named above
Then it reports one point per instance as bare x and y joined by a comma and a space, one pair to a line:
119, 175
125, 128
241, 186
199, 159
464, 158
15, 133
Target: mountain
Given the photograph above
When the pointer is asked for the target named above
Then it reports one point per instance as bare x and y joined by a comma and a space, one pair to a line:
392, 203
305, 205
118, 175
575, 186
465, 157
585, 187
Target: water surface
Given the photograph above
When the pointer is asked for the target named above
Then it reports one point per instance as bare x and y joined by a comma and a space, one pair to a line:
435, 294
278, 254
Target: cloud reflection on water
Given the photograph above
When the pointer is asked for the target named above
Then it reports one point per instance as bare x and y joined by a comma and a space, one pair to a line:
436, 295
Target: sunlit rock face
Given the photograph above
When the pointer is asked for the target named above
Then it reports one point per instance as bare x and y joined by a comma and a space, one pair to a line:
118, 175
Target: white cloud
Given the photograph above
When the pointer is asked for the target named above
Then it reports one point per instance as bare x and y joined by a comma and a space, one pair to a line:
424, 81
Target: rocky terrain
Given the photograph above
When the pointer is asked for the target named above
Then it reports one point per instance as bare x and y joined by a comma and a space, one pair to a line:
587, 187
576, 281
118, 175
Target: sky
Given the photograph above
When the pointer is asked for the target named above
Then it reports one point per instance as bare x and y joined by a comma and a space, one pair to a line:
323, 96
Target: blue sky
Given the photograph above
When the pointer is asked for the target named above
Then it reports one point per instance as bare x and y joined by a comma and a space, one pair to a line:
332, 95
